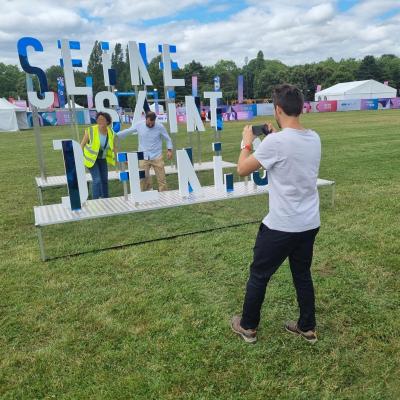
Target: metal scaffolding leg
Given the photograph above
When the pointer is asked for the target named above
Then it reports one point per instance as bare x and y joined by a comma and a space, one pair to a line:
41, 244
40, 195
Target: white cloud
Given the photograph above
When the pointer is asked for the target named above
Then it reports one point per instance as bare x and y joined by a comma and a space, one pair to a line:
319, 13
136, 10
295, 31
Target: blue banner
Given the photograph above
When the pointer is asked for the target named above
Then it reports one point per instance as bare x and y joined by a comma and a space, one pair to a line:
217, 84
61, 91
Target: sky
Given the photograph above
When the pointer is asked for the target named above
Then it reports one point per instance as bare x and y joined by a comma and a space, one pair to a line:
293, 31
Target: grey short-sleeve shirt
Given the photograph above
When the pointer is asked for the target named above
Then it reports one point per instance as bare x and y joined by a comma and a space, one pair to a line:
291, 158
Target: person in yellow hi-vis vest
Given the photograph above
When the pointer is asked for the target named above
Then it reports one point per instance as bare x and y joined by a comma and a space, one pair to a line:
98, 151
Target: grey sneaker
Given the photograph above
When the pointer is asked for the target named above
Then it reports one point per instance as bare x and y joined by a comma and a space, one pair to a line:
248, 335
310, 336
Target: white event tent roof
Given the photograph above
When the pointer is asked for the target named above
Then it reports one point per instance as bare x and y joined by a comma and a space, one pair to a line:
12, 118
76, 105
369, 89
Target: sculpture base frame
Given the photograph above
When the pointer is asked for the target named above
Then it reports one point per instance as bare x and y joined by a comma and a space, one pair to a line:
58, 214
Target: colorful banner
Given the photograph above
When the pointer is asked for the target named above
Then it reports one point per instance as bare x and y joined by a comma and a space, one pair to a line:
265, 109
383, 104
61, 117
240, 89
324, 106
181, 114
395, 103
194, 86
369, 104
239, 112
92, 116
45, 118
61, 91
349, 105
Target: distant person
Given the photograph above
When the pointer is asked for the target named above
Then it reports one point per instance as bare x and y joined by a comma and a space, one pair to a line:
291, 157
203, 115
98, 151
151, 135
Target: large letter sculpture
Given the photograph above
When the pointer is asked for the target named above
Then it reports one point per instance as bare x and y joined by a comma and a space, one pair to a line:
213, 96
134, 175
258, 180
186, 174
255, 176
109, 74
167, 66
193, 120
75, 173
112, 98
137, 64
48, 98
139, 108
218, 171
68, 63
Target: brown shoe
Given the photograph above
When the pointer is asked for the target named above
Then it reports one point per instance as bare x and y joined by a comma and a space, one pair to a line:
310, 336
248, 335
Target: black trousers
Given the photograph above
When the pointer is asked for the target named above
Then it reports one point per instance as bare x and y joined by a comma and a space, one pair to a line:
270, 251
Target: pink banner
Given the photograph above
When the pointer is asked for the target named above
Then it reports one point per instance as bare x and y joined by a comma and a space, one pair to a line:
395, 102
325, 106
63, 117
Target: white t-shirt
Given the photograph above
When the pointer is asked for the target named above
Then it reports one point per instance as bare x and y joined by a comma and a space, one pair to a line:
291, 158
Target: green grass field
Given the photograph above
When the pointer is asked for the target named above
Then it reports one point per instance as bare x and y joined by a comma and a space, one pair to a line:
151, 321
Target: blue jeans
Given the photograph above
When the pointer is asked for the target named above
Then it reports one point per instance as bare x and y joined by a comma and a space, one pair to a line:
99, 173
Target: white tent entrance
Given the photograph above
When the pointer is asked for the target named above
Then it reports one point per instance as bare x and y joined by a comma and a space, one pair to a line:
12, 118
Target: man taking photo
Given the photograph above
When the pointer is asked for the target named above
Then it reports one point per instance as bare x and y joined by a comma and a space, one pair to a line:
291, 157
151, 135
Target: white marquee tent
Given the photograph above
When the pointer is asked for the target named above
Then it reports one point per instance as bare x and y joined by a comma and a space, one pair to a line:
160, 108
76, 105
369, 89
12, 118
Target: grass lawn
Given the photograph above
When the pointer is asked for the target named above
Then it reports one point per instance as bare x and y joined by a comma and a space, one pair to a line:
151, 321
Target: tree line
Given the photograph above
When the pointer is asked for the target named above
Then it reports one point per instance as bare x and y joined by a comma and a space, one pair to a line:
260, 75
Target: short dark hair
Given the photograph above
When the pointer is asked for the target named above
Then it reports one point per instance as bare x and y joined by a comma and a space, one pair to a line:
107, 116
289, 98
151, 115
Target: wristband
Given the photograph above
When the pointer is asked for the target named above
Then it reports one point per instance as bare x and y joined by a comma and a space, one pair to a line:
245, 146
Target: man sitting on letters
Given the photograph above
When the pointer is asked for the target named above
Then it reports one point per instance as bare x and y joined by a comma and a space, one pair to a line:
150, 134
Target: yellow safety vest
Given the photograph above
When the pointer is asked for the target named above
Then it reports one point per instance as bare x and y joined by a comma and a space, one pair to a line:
91, 149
